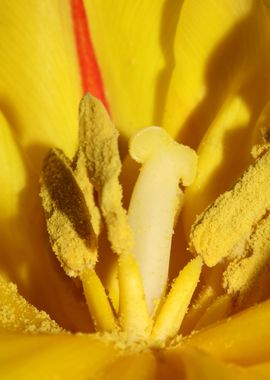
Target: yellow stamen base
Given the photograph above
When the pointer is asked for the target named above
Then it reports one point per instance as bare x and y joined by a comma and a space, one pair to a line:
175, 306
134, 316
97, 301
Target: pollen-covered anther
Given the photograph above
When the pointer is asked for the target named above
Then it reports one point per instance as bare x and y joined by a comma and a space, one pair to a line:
67, 216
236, 228
71, 233
99, 144
223, 229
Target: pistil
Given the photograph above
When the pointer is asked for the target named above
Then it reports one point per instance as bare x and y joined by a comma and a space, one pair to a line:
155, 200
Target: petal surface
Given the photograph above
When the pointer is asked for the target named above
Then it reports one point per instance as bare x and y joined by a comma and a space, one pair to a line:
40, 86
217, 91
192, 364
216, 48
242, 339
48, 357
26, 258
93, 357
133, 41
16, 315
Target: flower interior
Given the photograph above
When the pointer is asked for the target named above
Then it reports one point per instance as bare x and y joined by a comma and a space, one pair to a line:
84, 196
82, 200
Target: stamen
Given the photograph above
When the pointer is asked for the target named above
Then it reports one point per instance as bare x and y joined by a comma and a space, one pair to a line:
134, 316
97, 301
154, 202
80, 172
67, 216
71, 234
237, 226
212, 288
224, 227
98, 141
242, 273
173, 310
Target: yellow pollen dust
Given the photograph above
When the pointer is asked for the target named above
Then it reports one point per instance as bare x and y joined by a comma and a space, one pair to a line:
81, 196
17, 315
235, 228
67, 215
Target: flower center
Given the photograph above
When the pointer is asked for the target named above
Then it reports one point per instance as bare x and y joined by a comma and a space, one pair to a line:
83, 195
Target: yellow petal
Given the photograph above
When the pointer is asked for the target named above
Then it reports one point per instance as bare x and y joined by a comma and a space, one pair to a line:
218, 90
177, 363
219, 161
16, 315
133, 366
261, 371
48, 357
216, 48
243, 338
133, 42
25, 254
39, 76
93, 357
12, 173
192, 364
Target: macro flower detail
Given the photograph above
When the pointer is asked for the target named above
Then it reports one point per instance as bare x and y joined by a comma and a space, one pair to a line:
141, 239
125, 254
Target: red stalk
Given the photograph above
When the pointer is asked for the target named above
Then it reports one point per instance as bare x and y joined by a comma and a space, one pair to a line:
90, 74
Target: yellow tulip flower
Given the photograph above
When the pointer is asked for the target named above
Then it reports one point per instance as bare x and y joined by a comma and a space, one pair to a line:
94, 304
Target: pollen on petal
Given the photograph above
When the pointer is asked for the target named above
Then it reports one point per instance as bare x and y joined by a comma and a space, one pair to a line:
17, 315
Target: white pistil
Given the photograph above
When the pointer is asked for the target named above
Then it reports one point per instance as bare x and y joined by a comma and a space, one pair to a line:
154, 202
